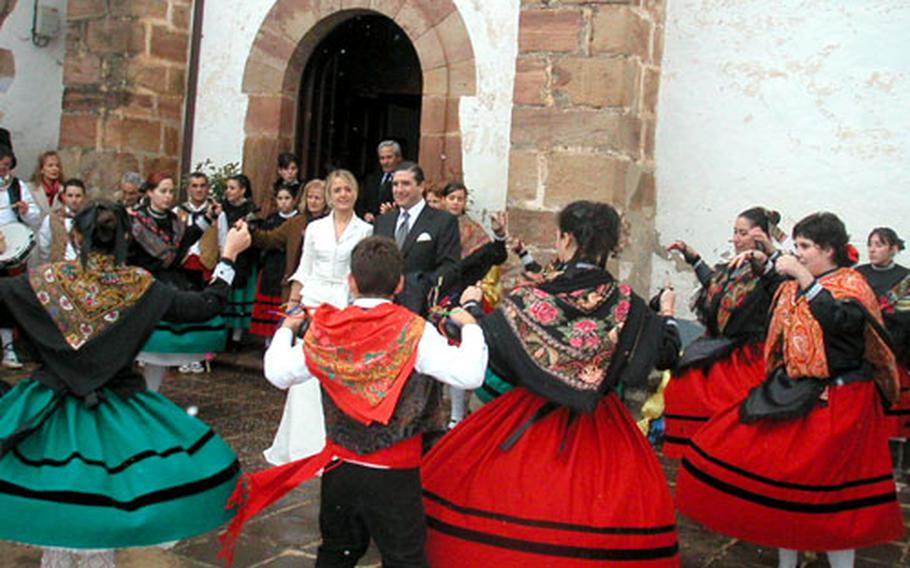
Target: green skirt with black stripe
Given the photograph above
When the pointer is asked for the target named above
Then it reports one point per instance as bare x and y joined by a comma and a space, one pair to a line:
238, 314
205, 337
128, 472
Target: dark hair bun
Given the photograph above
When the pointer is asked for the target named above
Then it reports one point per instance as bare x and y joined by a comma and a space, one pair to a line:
773, 216
105, 227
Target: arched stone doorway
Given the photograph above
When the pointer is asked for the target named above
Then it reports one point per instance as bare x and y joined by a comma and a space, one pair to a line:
351, 98
285, 43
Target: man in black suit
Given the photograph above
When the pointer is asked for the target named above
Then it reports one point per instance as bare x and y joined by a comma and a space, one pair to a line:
377, 187
428, 239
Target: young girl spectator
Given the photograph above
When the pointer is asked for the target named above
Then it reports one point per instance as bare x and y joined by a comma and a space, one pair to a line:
238, 205
272, 269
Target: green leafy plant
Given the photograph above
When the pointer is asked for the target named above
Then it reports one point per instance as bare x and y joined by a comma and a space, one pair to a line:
218, 176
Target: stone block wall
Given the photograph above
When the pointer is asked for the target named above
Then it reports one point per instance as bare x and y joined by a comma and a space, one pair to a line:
124, 84
583, 120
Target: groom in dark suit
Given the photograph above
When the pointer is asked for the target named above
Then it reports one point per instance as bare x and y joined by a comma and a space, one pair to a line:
428, 239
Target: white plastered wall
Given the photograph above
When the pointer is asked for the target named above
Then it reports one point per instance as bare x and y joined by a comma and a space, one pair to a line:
799, 106
31, 102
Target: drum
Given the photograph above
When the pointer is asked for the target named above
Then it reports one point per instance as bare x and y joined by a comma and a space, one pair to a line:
20, 240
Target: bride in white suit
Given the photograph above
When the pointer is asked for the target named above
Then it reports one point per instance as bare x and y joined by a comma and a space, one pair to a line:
320, 278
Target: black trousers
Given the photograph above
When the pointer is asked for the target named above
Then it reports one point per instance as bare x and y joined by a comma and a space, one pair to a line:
361, 502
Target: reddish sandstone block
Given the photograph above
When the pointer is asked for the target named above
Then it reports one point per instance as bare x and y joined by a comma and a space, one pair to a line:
152, 76
462, 78
650, 91
78, 130
523, 175
115, 36
171, 141
595, 82
530, 81
82, 9
452, 157
429, 51
619, 30
151, 164
549, 30
268, 115
454, 37
536, 228
413, 19
181, 17
170, 107
551, 127
433, 114
132, 134
146, 9
572, 176
170, 45
82, 69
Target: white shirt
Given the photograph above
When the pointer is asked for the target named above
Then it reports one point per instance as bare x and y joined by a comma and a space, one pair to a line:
46, 238
8, 214
326, 262
413, 212
195, 250
461, 366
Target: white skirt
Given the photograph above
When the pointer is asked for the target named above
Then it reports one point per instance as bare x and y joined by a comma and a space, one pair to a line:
302, 430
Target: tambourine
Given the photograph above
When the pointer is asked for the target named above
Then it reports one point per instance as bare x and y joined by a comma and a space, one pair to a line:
20, 240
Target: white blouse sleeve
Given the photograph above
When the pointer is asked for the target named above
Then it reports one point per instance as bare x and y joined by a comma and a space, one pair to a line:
284, 364
222, 230
308, 258
461, 366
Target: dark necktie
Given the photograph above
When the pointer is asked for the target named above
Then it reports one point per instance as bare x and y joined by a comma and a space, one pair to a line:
402, 232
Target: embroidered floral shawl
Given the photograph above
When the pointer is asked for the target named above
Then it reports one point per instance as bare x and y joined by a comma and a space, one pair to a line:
571, 333
796, 339
363, 358
158, 243
727, 292
84, 302
473, 236
897, 298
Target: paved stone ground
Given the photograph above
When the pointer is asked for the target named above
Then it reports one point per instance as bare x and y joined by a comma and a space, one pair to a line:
245, 410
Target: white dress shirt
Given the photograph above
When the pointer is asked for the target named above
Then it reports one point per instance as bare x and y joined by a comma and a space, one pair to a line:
8, 214
413, 212
326, 262
192, 210
461, 366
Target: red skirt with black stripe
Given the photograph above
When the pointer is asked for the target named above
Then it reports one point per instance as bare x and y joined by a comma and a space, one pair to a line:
898, 415
820, 482
694, 396
265, 312
567, 493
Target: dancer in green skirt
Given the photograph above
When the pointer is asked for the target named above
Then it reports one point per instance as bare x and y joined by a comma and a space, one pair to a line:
90, 459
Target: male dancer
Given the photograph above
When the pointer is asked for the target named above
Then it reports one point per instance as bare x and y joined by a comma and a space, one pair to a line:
378, 364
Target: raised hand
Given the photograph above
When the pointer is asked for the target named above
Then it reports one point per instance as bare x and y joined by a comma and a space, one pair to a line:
499, 221
689, 253
238, 240
762, 242
471, 294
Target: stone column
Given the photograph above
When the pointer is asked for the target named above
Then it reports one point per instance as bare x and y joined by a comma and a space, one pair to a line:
124, 83
583, 119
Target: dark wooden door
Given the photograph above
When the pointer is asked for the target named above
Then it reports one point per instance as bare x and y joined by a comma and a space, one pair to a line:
362, 85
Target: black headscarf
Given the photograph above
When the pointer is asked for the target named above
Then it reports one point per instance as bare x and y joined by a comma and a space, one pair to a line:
86, 223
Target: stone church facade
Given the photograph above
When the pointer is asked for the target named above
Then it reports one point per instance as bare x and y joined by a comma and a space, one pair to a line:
534, 103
